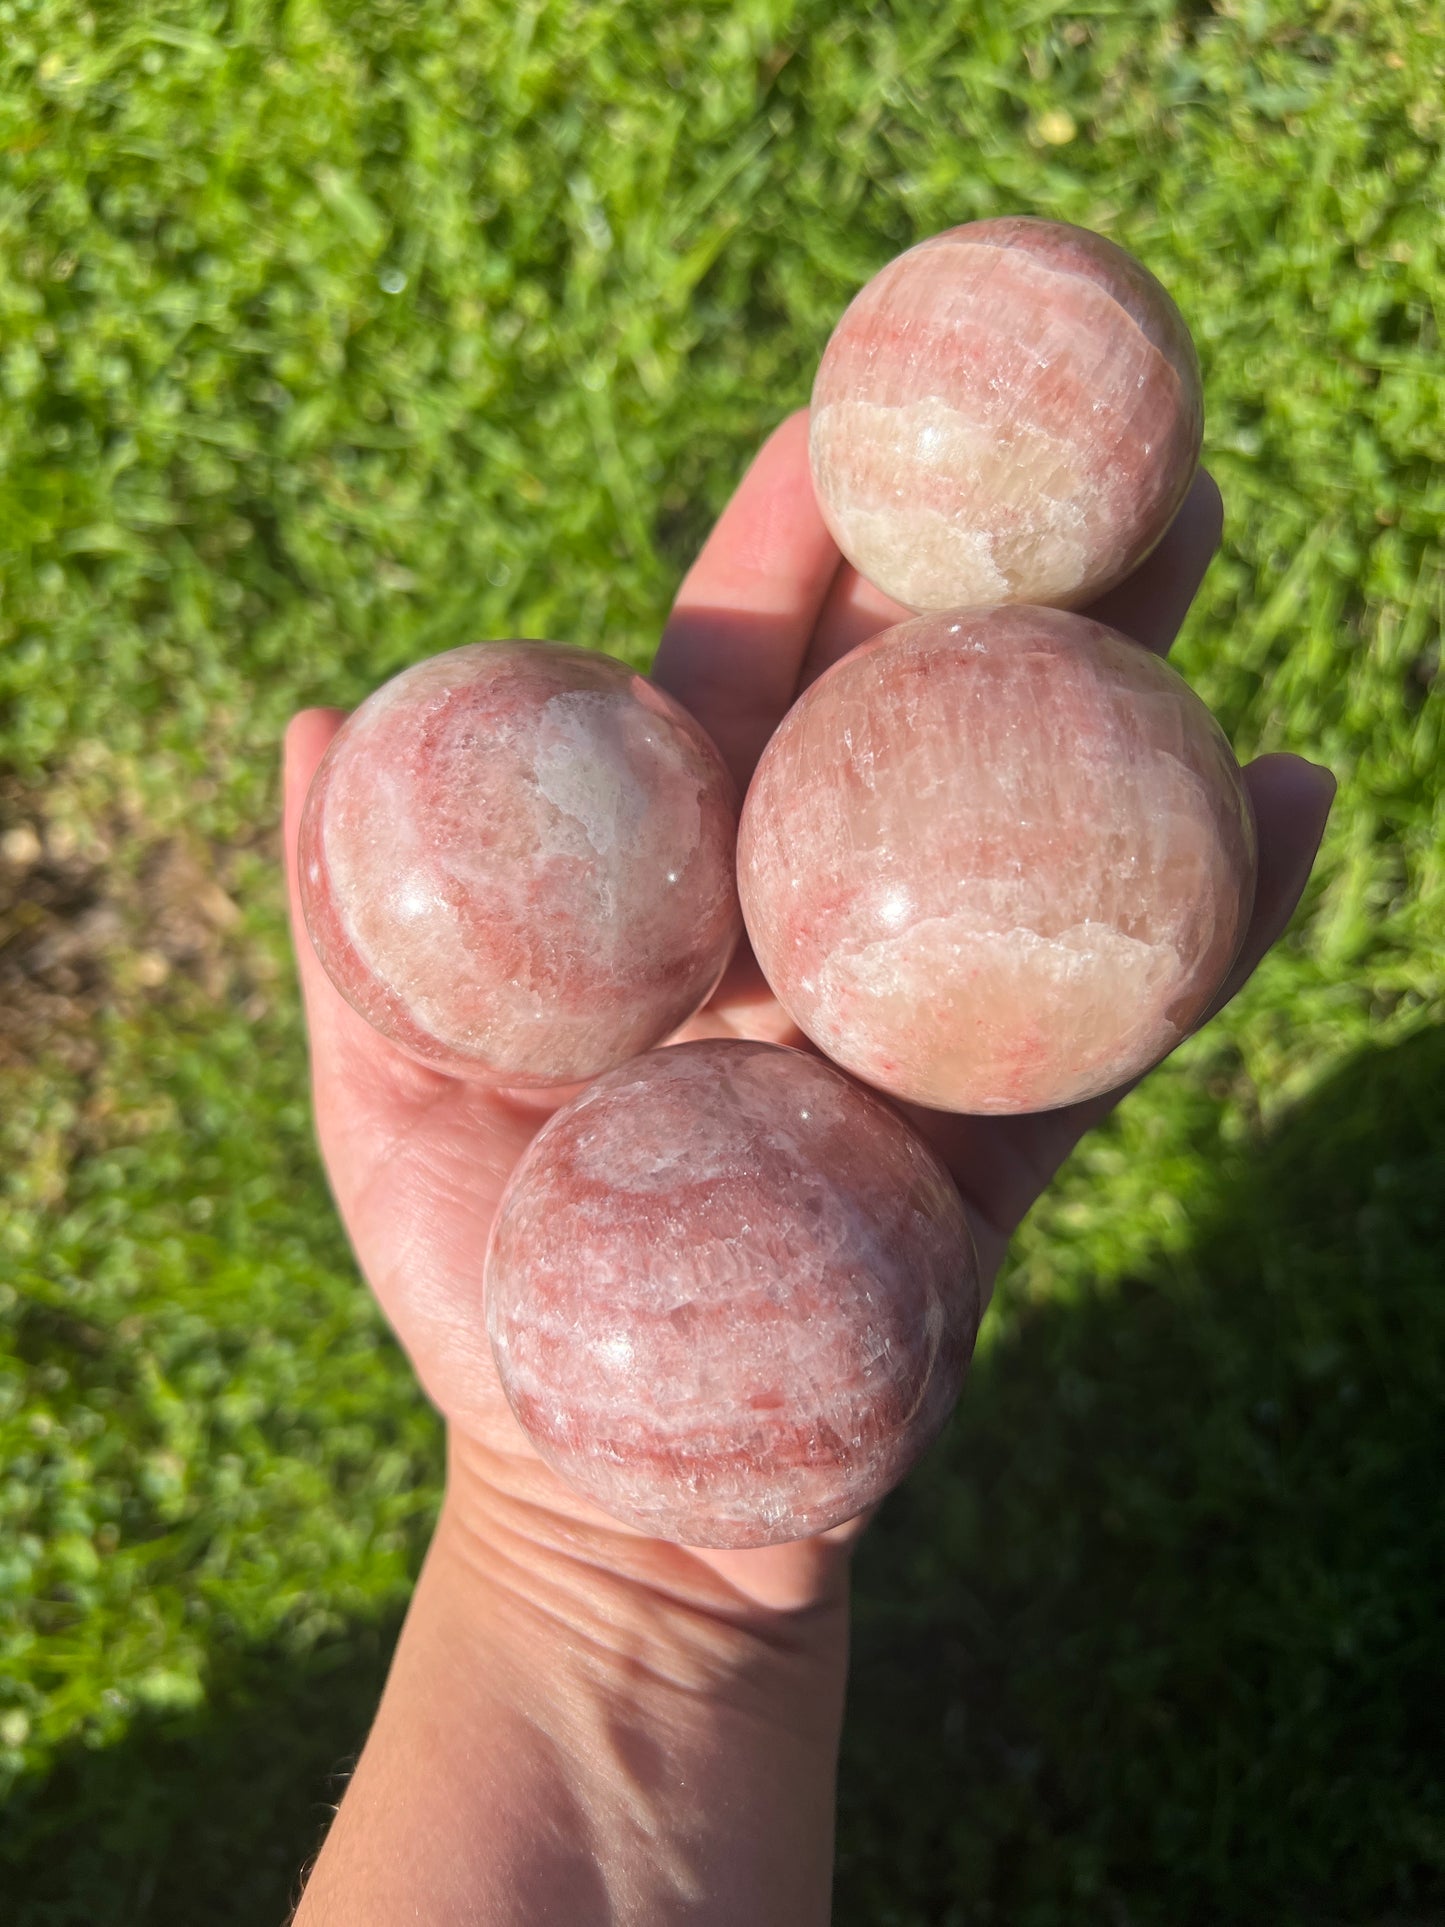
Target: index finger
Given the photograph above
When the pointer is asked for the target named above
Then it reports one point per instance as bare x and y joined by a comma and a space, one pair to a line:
734, 645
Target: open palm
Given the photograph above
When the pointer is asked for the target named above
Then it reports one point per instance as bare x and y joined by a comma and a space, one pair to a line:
418, 1160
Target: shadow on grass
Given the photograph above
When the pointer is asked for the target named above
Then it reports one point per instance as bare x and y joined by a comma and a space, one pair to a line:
206, 1817
1154, 1638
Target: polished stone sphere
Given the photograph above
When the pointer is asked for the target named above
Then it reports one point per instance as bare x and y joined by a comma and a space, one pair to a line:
730, 1294
1009, 412
997, 861
516, 860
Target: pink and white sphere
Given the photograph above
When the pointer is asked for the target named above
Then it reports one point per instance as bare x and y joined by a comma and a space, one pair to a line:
731, 1295
1008, 412
997, 862
516, 861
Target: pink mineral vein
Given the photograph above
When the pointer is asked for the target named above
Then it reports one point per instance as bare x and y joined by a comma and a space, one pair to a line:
998, 861
517, 861
730, 1294
1009, 412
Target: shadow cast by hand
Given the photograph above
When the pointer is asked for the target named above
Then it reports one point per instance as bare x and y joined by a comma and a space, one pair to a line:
1154, 1636
1151, 1639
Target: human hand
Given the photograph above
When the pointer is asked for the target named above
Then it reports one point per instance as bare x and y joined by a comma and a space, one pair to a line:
418, 1160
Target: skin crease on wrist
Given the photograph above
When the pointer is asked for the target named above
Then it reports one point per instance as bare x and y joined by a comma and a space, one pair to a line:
582, 1725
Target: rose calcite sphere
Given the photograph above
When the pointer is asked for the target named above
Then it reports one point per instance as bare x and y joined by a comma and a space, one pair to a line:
1009, 412
997, 861
516, 860
731, 1295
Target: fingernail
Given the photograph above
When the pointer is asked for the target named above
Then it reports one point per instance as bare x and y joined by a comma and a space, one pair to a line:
1322, 782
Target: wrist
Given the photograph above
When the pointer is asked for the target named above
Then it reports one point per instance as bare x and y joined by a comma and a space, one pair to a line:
520, 1527
592, 1625
584, 1725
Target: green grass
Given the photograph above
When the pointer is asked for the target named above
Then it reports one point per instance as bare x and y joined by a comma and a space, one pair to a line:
335, 334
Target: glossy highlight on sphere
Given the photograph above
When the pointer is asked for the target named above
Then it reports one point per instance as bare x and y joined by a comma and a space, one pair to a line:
997, 861
731, 1296
516, 861
1009, 412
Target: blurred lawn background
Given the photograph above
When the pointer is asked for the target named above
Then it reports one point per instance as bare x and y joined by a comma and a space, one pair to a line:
334, 334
